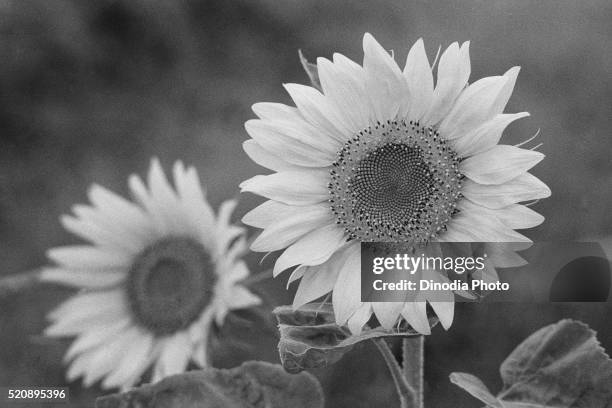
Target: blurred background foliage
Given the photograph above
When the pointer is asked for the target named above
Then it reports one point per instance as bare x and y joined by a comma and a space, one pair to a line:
89, 91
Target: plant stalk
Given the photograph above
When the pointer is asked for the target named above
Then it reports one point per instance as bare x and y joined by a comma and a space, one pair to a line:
413, 355
406, 394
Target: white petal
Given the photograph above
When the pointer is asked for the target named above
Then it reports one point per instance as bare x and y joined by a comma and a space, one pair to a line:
473, 107
79, 366
488, 273
92, 338
346, 297
443, 303
140, 193
502, 99
318, 280
453, 74
385, 84
457, 234
415, 314
89, 257
84, 278
313, 248
350, 67
266, 213
346, 91
174, 355
287, 141
85, 304
485, 136
503, 255
499, 164
137, 359
116, 214
360, 318
105, 358
98, 235
271, 110
238, 271
157, 216
224, 213
189, 190
291, 187
293, 124
296, 274
482, 225
522, 188
226, 232
387, 313
194, 215
445, 312
200, 355
163, 203
318, 110
199, 333
266, 159
286, 230
239, 297
518, 216
420, 80
85, 311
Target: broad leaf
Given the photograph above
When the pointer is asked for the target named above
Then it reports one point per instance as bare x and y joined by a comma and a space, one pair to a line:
254, 384
559, 366
310, 338
476, 388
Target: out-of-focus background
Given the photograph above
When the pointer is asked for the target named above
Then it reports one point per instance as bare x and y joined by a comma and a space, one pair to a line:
89, 91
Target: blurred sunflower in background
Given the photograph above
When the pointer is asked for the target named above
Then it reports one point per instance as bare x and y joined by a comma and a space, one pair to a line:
383, 154
157, 274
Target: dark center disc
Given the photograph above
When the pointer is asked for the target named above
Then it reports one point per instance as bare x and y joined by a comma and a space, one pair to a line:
395, 182
169, 284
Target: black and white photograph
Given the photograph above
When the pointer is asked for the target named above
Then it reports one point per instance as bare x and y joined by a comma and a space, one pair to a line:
305, 204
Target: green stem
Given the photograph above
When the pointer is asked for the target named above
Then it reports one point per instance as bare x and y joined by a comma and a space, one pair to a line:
413, 353
405, 392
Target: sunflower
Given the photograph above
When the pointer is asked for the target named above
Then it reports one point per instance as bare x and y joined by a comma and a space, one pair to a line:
155, 277
381, 154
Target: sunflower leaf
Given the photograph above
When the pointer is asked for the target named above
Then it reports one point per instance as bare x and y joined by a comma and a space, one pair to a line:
310, 338
476, 388
311, 71
254, 384
559, 366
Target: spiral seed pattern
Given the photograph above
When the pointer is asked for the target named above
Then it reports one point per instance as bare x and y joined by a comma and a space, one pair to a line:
395, 181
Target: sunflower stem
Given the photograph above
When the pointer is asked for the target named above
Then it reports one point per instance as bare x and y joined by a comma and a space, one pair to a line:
405, 392
413, 356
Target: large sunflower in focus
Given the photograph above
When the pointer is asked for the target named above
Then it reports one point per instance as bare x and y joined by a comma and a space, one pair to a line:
381, 154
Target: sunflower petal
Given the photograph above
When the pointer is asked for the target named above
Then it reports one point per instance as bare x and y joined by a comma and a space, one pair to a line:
287, 230
266, 159
522, 188
453, 73
313, 248
485, 136
473, 107
385, 84
420, 80
346, 297
499, 164
290, 187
